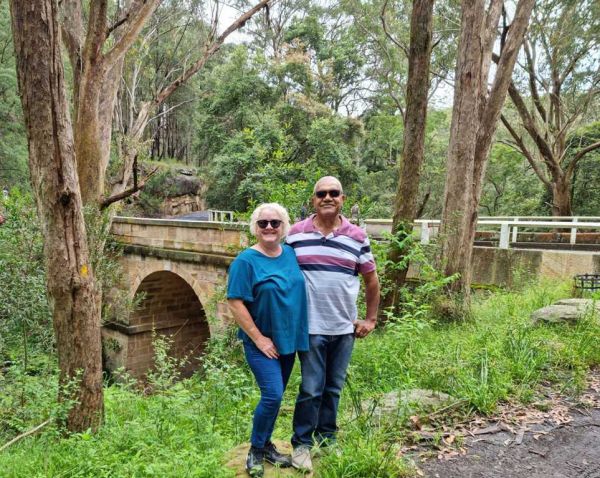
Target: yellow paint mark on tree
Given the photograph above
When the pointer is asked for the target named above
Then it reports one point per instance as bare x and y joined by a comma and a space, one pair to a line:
84, 270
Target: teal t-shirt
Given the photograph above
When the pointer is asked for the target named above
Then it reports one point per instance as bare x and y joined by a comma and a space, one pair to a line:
274, 292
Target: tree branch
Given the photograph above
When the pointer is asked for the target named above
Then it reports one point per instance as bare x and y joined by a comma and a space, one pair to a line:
134, 27
525, 152
210, 51
387, 32
533, 82
580, 154
167, 111
117, 24
531, 127
72, 31
23, 435
136, 187
96, 31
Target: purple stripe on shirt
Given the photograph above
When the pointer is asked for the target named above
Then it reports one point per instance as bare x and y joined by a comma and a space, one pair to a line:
330, 260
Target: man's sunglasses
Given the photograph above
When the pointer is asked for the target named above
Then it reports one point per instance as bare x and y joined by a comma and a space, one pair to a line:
334, 193
262, 223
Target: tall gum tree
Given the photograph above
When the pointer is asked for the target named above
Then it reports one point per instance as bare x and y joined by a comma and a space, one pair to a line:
475, 113
53, 169
413, 149
68, 158
557, 86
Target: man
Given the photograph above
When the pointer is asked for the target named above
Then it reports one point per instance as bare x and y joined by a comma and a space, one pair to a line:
331, 252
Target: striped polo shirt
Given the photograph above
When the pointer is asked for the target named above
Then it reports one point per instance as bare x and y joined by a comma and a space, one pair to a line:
331, 265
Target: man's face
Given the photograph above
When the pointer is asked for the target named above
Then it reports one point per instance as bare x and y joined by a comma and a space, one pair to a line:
332, 200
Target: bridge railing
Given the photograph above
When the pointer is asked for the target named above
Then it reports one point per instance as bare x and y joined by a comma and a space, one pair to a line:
215, 215
509, 226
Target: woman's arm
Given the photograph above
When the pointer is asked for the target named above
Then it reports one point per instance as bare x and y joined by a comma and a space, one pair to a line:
245, 321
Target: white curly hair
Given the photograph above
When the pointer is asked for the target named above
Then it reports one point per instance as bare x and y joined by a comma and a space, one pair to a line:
277, 209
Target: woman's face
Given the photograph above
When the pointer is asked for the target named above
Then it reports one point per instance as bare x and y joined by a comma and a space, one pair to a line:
268, 235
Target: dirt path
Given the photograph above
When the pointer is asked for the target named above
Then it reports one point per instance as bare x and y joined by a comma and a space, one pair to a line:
562, 441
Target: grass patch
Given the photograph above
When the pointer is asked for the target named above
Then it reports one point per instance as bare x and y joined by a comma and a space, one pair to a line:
185, 429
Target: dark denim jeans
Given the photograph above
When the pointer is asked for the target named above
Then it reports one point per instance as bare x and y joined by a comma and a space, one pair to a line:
272, 377
323, 374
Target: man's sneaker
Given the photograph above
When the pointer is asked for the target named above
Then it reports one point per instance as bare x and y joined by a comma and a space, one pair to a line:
255, 462
301, 459
273, 456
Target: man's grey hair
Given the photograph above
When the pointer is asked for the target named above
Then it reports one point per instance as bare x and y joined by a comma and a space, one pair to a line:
277, 209
328, 178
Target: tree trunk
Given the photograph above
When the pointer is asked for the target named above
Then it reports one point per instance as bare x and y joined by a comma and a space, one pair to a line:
561, 196
472, 134
456, 218
417, 90
71, 285
492, 108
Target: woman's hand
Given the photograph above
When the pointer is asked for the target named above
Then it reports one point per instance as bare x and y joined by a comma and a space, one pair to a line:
267, 347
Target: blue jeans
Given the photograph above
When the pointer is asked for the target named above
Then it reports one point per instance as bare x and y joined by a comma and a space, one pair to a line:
272, 376
323, 374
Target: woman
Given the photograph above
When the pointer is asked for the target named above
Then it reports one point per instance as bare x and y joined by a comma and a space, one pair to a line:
267, 297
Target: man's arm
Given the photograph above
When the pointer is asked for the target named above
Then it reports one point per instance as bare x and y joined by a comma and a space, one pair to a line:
365, 327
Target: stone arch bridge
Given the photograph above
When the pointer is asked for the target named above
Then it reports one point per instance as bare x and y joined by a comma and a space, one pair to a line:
176, 271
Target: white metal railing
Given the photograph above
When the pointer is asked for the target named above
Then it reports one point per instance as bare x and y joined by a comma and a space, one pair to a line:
215, 215
506, 224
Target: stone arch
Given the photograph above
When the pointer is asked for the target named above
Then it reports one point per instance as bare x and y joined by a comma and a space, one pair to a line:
168, 305
139, 268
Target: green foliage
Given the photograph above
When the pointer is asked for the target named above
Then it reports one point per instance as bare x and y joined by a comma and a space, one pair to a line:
510, 188
13, 140
495, 355
186, 428
168, 368
586, 180
417, 299
25, 317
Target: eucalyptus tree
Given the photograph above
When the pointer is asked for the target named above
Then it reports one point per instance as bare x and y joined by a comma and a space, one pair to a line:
167, 43
323, 59
475, 114
413, 150
69, 150
555, 89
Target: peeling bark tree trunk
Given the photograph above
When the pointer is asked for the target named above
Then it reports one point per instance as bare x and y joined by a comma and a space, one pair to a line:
417, 89
71, 285
68, 161
463, 137
474, 119
561, 196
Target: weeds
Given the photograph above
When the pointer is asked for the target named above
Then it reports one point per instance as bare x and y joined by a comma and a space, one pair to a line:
186, 428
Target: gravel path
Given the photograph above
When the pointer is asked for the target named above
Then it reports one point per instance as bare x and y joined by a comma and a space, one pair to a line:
562, 442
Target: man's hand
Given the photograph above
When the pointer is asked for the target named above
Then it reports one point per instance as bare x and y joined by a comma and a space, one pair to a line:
267, 347
362, 328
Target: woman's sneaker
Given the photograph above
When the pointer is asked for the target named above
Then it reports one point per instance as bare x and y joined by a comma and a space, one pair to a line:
301, 459
255, 462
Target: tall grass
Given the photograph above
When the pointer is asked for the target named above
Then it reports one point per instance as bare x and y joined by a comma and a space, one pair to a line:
185, 429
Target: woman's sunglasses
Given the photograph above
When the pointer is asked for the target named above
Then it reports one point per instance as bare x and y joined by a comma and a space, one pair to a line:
262, 223
334, 193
